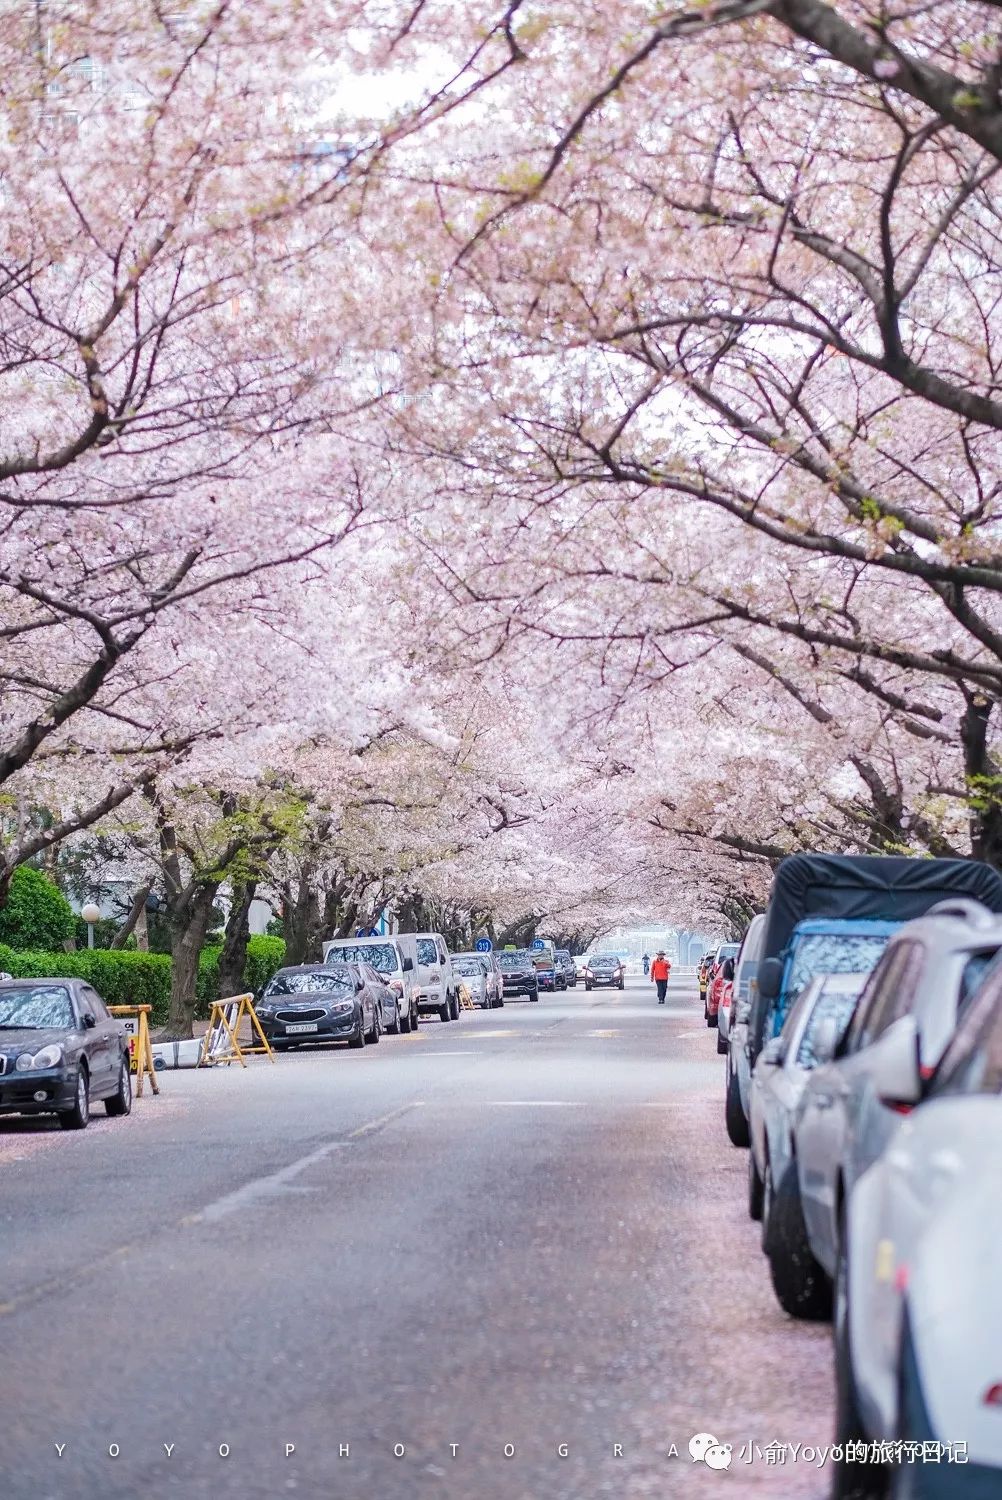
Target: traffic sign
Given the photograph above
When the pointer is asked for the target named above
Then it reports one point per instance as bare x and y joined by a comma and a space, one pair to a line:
484, 945
538, 945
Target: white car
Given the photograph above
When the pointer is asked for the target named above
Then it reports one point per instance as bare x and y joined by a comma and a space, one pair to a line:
394, 959
437, 987
926, 975
808, 1040
477, 973
737, 1086
918, 1308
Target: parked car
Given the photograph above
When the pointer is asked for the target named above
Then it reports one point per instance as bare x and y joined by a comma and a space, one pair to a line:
478, 975
60, 1051
438, 991
548, 976
813, 1029
918, 1316
569, 968
319, 1003
519, 973
387, 1000
928, 971
604, 968
496, 978
725, 952
738, 1076
825, 908
703, 976
395, 960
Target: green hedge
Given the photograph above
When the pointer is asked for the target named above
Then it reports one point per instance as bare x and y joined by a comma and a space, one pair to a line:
120, 978
264, 956
125, 978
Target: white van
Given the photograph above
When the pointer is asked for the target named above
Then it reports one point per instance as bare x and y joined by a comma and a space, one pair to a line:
438, 987
394, 957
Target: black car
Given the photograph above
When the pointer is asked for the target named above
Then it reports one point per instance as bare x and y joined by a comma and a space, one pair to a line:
519, 973
569, 967
319, 1003
387, 1000
604, 968
59, 1051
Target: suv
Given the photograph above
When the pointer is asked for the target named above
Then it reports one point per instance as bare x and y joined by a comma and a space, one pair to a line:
394, 960
569, 968
926, 975
438, 989
519, 972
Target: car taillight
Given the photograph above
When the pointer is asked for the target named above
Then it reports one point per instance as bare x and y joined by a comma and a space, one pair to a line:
397, 986
993, 1395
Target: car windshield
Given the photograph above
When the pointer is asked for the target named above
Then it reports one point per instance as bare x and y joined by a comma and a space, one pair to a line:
472, 967
604, 961
512, 960
563, 954
832, 1004
382, 956
730, 950
36, 1007
311, 982
427, 951
833, 953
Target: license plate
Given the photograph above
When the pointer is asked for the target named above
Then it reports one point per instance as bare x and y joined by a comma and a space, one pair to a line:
301, 1026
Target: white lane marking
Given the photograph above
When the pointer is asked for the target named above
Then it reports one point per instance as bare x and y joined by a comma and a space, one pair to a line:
430, 1056
276, 1183
687, 1036
535, 1103
603, 1033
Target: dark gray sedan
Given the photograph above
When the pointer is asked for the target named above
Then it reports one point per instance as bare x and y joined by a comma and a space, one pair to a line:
59, 1051
319, 1003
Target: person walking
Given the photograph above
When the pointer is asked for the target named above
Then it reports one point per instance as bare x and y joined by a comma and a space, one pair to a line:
660, 969
647, 964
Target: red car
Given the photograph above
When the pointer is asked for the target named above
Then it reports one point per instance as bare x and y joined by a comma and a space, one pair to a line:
718, 980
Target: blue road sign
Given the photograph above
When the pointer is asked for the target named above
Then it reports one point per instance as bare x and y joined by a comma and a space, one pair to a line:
538, 945
484, 945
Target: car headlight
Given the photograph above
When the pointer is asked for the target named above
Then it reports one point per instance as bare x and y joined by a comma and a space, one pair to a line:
49, 1057
342, 1007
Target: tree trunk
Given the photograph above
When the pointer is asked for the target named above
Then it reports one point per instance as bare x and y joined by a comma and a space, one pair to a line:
136, 910
188, 929
984, 781
233, 958
300, 916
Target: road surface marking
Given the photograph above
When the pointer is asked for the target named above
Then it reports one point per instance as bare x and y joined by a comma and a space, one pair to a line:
535, 1103
274, 1184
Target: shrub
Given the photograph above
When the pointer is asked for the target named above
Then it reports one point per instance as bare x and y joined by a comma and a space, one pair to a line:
264, 956
120, 978
36, 914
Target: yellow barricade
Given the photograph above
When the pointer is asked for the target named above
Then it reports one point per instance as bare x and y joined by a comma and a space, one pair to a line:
140, 1047
465, 998
220, 1045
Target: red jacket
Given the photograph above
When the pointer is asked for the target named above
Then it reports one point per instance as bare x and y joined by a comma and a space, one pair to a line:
660, 968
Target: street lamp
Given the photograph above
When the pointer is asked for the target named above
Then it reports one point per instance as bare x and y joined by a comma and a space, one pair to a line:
90, 914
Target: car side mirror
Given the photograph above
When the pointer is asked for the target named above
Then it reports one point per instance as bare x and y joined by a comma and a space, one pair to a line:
443, 961
770, 978
408, 966
359, 986
895, 1064
827, 1040
773, 1053
89, 1019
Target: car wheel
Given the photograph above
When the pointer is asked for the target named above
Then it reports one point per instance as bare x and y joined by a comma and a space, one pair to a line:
405, 1023
621, 985
534, 995
445, 1012
756, 1189
850, 1480
376, 1030
722, 1047
706, 1010
397, 1025
358, 1040
500, 1002
120, 1102
802, 1288
415, 1017
587, 986
78, 1117
734, 1115
454, 1006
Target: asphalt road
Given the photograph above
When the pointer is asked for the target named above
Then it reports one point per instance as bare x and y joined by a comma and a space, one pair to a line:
524, 1229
